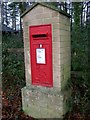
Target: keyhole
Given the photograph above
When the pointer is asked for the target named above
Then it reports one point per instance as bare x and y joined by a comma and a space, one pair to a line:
40, 45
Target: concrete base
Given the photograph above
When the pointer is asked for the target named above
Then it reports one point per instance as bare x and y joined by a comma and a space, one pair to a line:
42, 102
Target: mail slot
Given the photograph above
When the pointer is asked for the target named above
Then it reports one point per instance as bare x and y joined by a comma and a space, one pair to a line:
39, 36
41, 55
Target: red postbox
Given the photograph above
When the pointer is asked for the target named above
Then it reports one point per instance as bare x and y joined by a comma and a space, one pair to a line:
41, 55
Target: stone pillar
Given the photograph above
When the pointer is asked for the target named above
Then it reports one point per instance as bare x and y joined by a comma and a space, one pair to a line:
39, 101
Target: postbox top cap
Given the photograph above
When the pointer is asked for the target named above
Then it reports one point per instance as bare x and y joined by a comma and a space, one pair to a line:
46, 5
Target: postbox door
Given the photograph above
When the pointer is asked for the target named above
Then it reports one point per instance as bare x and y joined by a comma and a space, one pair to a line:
41, 59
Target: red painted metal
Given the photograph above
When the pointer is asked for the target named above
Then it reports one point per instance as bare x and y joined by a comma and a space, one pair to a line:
41, 73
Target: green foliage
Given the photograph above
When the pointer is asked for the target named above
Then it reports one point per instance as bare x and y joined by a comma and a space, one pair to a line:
80, 84
12, 62
55, 4
12, 41
76, 38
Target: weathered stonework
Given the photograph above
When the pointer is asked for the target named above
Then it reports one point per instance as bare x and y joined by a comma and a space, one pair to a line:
44, 102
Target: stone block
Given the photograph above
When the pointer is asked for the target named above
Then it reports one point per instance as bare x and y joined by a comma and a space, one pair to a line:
27, 57
35, 111
57, 83
56, 26
47, 10
43, 16
26, 34
64, 20
56, 45
56, 39
38, 9
27, 44
55, 14
47, 21
56, 32
55, 20
64, 32
65, 38
32, 108
44, 113
64, 27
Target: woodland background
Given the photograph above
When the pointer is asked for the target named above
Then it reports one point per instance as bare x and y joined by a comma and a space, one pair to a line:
13, 77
